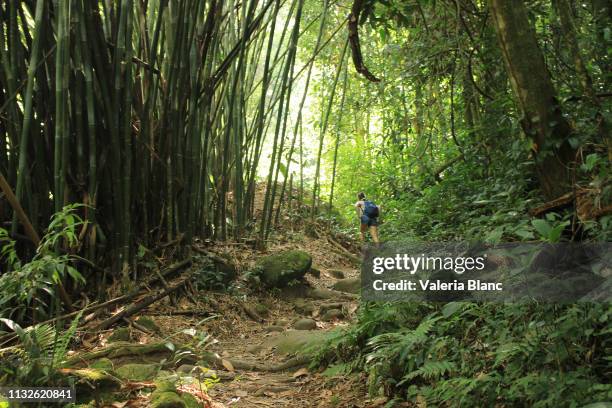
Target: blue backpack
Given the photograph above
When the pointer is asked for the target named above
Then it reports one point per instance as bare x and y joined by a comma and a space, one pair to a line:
370, 209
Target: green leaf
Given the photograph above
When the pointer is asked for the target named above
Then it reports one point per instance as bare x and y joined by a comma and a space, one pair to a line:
542, 226
450, 308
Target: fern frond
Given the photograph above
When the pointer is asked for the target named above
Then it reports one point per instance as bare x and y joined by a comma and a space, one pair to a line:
430, 370
61, 345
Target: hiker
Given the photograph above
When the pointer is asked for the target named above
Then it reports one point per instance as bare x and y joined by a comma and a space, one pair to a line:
367, 212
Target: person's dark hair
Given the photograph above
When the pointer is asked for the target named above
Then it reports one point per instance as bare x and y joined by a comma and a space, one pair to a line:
361, 195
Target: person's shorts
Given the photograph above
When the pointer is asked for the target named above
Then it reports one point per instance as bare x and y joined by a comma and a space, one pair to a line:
370, 222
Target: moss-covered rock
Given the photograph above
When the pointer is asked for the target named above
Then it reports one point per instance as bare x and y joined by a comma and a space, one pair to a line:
281, 268
166, 399
349, 285
137, 372
164, 386
92, 384
190, 401
147, 323
99, 379
303, 307
103, 364
120, 334
305, 324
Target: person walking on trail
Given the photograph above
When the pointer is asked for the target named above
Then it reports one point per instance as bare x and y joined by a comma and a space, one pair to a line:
368, 213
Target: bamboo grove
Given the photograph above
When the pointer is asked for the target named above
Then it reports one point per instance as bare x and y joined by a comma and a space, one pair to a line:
152, 113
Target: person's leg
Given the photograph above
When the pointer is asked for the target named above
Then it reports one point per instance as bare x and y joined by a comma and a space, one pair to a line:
365, 222
374, 233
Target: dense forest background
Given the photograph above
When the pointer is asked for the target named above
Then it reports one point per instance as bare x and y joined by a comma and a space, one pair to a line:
144, 122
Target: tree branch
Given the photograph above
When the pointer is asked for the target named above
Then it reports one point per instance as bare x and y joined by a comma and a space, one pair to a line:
353, 29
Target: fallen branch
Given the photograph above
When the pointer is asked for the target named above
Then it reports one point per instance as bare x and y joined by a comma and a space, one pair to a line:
190, 312
344, 251
136, 307
555, 204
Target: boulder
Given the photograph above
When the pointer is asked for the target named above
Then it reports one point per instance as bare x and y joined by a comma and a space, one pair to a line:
280, 269
349, 285
305, 324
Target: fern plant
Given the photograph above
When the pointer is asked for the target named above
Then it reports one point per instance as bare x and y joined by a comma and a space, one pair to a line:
40, 352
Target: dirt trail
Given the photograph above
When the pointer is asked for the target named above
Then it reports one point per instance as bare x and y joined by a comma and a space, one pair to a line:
236, 337
244, 349
241, 338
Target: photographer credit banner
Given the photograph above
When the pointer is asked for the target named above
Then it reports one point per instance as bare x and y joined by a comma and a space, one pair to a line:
468, 271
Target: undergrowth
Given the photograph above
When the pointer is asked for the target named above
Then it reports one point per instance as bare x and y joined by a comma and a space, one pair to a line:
468, 354
484, 354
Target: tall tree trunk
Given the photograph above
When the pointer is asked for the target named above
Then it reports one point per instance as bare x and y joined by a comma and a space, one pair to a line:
542, 119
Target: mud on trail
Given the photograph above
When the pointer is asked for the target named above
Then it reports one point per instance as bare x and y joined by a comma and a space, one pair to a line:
248, 344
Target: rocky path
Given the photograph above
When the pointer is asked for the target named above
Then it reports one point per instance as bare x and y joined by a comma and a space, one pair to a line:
258, 342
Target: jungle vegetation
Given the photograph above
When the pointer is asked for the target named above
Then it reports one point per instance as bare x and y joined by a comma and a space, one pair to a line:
128, 124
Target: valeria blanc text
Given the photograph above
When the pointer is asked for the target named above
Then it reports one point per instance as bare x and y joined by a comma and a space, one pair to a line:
436, 285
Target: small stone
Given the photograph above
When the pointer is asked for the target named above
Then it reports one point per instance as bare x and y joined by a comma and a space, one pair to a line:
305, 324
274, 328
332, 315
303, 307
321, 293
349, 285
336, 273
329, 306
121, 334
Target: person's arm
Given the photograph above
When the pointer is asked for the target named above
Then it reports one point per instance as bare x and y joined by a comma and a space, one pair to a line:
358, 209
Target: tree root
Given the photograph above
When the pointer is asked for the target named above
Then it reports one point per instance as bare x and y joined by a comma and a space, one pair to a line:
118, 350
293, 362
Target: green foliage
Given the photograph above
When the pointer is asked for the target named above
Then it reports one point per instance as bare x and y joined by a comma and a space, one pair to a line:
41, 351
468, 354
29, 286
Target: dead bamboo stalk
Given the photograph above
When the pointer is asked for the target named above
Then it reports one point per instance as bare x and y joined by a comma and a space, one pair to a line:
30, 231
